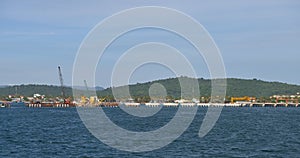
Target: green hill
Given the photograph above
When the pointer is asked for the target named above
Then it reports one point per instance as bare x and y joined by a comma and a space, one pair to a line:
259, 88
235, 87
29, 90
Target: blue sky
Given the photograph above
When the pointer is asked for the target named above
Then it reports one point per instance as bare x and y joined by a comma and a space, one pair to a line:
257, 39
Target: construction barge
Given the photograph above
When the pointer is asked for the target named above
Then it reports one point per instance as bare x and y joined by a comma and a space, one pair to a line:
50, 105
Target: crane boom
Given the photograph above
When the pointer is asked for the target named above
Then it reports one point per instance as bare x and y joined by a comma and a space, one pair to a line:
86, 88
61, 82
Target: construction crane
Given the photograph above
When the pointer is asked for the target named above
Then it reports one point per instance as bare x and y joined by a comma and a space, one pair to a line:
86, 87
245, 98
87, 92
63, 94
61, 83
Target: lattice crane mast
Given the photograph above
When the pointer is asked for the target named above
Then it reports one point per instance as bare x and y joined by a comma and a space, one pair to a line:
61, 83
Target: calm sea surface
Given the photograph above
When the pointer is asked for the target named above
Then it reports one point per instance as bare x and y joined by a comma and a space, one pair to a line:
239, 132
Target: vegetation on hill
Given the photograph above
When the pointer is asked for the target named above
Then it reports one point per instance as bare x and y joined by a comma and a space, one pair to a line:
29, 90
235, 87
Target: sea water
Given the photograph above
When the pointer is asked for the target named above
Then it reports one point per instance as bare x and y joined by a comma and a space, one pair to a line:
239, 132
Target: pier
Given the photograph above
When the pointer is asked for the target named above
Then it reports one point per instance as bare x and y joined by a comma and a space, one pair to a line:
116, 104
49, 105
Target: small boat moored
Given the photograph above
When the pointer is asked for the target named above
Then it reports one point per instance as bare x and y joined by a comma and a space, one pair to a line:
4, 104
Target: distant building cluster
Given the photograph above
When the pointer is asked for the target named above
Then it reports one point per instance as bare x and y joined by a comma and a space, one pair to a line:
286, 98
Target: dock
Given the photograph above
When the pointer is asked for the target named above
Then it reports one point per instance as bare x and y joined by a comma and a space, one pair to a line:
116, 104
204, 104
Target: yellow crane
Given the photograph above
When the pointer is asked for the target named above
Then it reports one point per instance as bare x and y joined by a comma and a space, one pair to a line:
245, 98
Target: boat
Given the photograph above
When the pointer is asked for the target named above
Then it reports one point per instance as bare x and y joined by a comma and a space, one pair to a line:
4, 105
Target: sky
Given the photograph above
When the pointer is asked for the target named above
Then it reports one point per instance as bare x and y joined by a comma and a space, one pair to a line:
257, 39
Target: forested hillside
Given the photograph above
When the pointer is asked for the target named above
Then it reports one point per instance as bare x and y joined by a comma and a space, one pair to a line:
235, 87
